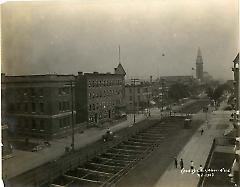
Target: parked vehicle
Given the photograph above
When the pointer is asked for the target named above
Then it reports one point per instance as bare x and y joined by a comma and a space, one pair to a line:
108, 136
47, 143
37, 148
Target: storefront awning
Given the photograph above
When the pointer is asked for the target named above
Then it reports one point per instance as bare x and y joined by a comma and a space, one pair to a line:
235, 166
229, 130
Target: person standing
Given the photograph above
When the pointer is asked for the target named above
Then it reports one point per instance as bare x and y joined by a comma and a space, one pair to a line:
181, 163
175, 162
200, 171
192, 165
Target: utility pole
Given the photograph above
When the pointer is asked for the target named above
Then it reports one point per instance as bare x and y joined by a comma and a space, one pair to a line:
149, 111
235, 70
163, 93
134, 106
235, 115
72, 108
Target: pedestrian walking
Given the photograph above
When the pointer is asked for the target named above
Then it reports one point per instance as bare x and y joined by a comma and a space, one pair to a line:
181, 163
202, 132
175, 162
192, 165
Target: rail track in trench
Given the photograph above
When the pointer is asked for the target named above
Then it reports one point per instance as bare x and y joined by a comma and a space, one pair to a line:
108, 168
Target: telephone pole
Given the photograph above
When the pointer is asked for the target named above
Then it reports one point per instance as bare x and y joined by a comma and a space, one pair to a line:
72, 108
134, 105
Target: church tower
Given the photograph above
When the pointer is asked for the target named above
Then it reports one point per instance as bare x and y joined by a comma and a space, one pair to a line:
199, 65
119, 69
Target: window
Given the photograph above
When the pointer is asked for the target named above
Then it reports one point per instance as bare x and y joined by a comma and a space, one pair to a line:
26, 123
60, 123
60, 106
138, 97
42, 124
33, 107
25, 92
41, 92
64, 105
138, 90
130, 98
68, 105
130, 90
90, 107
67, 121
64, 122
33, 92
93, 106
33, 124
67, 90
41, 107
19, 106
26, 107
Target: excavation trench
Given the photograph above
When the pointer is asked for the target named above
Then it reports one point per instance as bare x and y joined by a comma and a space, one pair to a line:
107, 168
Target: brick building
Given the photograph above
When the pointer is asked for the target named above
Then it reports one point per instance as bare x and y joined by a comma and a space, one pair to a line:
6, 147
38, 105
140, 94
99, 96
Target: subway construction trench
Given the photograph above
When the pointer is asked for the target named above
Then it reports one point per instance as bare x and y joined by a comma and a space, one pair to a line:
108, 168
149, 146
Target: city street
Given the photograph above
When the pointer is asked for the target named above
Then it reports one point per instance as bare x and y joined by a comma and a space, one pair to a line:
28, 160
159, 170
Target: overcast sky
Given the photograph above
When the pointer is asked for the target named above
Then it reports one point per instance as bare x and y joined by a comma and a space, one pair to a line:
67, 37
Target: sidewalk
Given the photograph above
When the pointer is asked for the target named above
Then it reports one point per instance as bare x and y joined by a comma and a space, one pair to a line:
28, 160
197, 150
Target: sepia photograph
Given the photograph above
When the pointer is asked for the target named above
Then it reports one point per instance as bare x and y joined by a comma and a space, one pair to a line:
120, 93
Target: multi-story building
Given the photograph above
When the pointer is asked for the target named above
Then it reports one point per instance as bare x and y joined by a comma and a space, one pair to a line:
38, 105
6, 147
138, 96
99, 96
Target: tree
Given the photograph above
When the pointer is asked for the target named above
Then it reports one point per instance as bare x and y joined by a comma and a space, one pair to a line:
178, 91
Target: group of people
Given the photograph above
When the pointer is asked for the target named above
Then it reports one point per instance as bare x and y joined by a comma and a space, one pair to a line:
200, 170
180, 163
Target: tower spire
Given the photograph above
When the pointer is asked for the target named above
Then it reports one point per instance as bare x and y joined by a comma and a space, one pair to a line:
199, 65
119, 55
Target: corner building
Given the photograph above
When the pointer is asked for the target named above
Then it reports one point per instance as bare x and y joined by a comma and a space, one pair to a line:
38, 105
99, 96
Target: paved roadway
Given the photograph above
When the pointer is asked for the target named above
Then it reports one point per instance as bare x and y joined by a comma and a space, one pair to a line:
25, 160
197, 150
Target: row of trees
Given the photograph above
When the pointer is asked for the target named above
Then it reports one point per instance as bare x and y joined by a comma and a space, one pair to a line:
216, 93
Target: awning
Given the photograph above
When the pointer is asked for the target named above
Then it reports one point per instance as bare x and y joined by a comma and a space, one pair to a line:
229, 130
235, 166
152, 102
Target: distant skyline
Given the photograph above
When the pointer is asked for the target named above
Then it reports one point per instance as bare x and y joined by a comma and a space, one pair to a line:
70, 36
